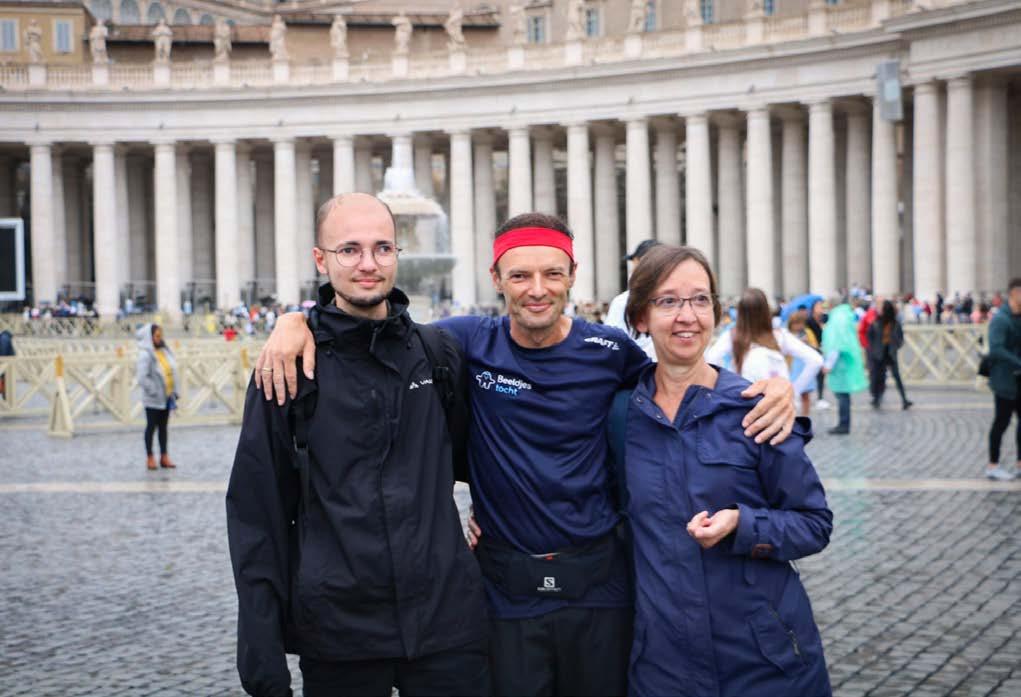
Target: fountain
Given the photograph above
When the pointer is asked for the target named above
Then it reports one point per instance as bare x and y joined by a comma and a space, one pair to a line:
422, 233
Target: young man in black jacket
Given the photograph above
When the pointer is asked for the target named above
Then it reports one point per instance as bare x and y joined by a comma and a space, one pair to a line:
359, 567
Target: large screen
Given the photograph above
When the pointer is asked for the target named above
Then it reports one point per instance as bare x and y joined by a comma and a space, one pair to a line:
12, 259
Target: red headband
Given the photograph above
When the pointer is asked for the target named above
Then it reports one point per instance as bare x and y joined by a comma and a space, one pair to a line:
531, 237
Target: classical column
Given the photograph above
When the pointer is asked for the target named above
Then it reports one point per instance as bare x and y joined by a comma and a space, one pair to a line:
543, 177
930, 245
794, 206
285, 221
168, 280
44, 276
519, 165
885, 199
579, 210
246, 218
485, 215
698, 197
122, 264
343, 165
822, 195
265, 254
363, 167
858, 179
731, 268
59, 222
6, 187
462, 218
228, 285
182, 170
960, 182
992, 190
424, 165
203, 250
140, 224
607, 215
638, 192
104, 210
668, 187
75, 259
761, 240
304, 237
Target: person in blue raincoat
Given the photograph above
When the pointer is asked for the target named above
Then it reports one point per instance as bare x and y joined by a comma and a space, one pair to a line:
716, 518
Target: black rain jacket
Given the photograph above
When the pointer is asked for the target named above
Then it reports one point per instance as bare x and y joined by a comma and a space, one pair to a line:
374, 564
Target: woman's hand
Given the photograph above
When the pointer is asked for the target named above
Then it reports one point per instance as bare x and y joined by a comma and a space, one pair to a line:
474, 531
773, 416
278, 359
708, 530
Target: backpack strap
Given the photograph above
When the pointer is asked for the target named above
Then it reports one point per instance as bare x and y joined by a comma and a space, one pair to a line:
445, 382
617, 435
442, 374
299, 414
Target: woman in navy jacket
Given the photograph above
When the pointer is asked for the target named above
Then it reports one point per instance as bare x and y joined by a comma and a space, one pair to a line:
716, 518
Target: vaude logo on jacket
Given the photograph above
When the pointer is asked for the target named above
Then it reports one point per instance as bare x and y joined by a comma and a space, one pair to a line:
605, 343
501, 383
424, 381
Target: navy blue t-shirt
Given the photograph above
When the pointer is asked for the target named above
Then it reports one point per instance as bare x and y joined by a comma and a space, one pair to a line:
537, 444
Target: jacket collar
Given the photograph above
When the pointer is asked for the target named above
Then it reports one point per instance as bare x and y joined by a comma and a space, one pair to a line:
699, 402
332, 323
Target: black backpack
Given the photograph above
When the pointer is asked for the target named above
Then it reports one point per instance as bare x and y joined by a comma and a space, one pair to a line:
302, 409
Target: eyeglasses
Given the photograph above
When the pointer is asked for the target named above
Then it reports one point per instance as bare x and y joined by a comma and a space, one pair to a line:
672, 305
350, 255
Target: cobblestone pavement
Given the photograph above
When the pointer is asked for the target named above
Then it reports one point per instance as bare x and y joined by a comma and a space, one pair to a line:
116, 581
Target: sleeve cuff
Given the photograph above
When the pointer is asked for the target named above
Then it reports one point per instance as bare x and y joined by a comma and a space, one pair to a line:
745, 536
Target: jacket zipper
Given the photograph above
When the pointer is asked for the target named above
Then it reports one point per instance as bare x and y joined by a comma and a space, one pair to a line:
790, 632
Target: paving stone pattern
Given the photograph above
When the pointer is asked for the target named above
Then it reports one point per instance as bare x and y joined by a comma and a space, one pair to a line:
919, 592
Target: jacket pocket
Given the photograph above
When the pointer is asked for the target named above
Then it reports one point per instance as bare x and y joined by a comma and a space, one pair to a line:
777, 642
725, 444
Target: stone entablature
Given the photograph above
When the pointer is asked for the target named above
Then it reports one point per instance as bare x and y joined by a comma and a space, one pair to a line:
822, 24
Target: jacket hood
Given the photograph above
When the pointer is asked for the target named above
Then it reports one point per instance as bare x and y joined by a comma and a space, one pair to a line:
840, 332
143, 335
330, 322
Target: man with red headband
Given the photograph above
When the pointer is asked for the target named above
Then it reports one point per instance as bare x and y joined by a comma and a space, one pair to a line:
540, 387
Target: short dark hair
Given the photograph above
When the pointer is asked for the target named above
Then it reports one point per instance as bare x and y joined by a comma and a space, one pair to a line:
334, 201
546, 220
658, 263
1014, 283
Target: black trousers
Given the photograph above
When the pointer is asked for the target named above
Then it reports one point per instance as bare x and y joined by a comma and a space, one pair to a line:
877, 376
460, 671
573, 651
156, 420
1004, 409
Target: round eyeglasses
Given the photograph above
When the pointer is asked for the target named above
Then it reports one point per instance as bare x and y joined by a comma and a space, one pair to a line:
350, 255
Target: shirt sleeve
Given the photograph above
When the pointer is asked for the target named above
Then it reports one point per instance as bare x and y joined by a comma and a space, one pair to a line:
463, 328
812, 361
635, 360
797, 521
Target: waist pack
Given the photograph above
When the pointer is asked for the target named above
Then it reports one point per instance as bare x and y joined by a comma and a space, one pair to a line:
566, 574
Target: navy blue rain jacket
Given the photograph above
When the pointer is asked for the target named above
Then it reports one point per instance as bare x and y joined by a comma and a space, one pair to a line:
733, 619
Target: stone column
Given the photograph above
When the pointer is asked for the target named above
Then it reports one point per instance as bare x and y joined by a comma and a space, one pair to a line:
822, 203
122, 264
6, 187
424, 165
858, 180
363, 167
324, 183
182, 170
140, 230
638, 191
885, 200
929, 247
730, 182
794, 206
203, 250
519, 166
104, 227
544, 183
992, 190
285, 221
265, 254
960, 183
579, 210
485, 216
761, 233
76, 260
246, 218
343, 165
59, 222
228, 285
168, 280
304, 235
462, 218
44, 272
607, 215
698, 197
668, 187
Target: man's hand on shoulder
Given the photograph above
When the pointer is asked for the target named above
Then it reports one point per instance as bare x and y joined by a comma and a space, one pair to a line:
773, 417
277, 362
